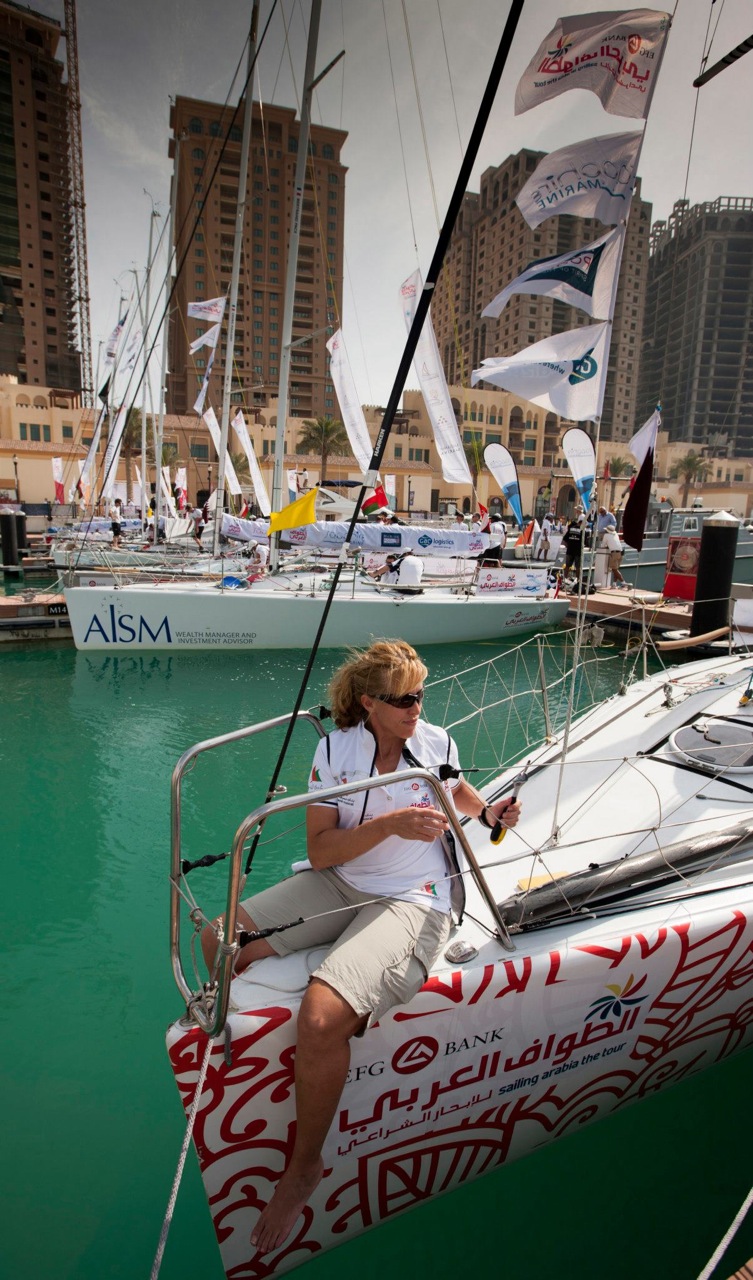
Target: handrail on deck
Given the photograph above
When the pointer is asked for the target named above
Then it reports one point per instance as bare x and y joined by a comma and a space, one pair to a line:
213, 1024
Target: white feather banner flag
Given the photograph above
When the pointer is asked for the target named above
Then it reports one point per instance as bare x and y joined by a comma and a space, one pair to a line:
257, 480
213, 427
565, 373
350, 406
434, 389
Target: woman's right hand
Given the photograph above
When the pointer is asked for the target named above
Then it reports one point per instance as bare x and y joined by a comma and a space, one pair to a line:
418, 823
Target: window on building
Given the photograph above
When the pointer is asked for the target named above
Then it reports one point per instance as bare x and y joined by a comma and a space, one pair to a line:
67, 431
23, 431
398, 451
200, 450
35, 431
195, 126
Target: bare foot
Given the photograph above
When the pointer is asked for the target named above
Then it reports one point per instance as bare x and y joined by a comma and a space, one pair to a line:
291, 1195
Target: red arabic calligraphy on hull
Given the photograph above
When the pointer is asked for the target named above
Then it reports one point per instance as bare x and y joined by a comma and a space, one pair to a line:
485, 1065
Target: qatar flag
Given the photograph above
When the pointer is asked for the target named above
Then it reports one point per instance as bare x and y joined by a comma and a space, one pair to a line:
57, 476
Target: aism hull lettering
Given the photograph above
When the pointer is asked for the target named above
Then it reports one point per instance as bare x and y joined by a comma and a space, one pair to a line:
126, 628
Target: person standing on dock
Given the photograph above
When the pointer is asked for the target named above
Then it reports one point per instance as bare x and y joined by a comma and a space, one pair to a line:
116, 522
573, 544
606, 522
611, 542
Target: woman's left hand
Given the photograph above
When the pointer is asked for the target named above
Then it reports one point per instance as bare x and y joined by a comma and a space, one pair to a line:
506, 811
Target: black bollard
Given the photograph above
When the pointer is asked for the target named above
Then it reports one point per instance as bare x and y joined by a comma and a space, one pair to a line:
21, 539
716, 563
9, 543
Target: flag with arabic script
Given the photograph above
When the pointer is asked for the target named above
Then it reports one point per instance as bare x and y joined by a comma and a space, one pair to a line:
590, 179
583, 278
615, 55
565, 373
211, 309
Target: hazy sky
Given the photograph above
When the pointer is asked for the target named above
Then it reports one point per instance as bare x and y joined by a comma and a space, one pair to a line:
135, 55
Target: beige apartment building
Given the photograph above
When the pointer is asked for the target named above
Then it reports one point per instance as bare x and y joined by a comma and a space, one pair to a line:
38, 424
492, 244
205, 148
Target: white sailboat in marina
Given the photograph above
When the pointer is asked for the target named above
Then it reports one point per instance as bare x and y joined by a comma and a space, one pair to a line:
285, 612
604, 951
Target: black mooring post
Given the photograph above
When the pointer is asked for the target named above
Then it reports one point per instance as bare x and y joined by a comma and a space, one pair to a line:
716, 563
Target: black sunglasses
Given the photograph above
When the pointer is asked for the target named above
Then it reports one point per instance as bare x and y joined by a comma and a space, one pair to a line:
405, 702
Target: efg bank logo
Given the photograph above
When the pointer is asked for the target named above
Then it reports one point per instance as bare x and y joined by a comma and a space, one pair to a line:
415, 1055
126, 628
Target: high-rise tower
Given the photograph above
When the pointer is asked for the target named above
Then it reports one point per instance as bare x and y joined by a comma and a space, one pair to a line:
205, 223
37, 304
698, 334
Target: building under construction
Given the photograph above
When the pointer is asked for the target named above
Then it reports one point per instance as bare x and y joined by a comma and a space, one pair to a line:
698, 336
38, 303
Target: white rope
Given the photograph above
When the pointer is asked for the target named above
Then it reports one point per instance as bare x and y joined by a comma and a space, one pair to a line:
156, 1265
727, 1239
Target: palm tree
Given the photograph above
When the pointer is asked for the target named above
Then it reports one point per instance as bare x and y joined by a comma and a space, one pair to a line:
472, 450
690, 468
324, 436
617, 467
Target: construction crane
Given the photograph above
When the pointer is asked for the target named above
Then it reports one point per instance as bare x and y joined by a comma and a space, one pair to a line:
78, 204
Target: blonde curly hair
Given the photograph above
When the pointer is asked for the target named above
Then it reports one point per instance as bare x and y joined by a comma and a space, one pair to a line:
389, 667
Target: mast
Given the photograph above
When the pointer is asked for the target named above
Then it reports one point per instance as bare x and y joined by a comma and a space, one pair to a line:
240, 214
145, 316
291, 267
158, 429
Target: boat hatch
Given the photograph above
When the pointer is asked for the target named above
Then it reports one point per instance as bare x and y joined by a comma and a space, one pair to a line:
716, 745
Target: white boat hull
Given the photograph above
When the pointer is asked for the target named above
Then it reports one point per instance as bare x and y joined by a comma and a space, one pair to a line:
497, 1057
169, 617
487, 1064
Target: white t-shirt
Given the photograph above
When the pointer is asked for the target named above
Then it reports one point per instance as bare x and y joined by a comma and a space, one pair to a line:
410, 870
261, 555
497, 534
611, 541
411, 572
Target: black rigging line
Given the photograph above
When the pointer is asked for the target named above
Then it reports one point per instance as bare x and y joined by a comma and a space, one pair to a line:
421, 312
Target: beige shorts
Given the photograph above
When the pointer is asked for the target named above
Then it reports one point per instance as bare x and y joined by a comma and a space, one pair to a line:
382, 950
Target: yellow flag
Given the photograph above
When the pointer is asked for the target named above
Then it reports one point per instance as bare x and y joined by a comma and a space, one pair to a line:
302, 511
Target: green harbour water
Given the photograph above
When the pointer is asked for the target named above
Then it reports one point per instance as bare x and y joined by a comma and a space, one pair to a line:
92, 1124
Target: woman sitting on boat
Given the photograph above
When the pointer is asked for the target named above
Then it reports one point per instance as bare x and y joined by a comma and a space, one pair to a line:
379, 891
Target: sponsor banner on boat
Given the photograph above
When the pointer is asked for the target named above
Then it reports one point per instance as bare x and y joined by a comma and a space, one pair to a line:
521, 581
369, 537
485, 1065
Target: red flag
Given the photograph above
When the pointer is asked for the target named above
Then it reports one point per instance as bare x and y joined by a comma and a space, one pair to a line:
606, 475
485, 521
243, 511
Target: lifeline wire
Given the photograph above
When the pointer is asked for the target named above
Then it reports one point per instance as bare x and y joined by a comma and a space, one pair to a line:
156, 1265
727, 1238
